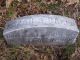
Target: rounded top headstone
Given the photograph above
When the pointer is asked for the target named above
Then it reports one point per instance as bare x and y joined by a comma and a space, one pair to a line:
41, 29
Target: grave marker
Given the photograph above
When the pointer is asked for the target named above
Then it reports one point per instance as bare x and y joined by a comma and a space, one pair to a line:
41, 29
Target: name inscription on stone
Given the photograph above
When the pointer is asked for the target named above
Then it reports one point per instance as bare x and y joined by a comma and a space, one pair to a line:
41, 29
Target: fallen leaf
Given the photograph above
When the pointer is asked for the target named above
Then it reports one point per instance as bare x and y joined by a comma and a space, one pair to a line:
8, 3
20, 0
46, 58
49, 1
3, 11
78, 22
72, 2
1, 1
63, 0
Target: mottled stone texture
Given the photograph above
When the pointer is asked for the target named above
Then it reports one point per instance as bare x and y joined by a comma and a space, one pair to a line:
41, 29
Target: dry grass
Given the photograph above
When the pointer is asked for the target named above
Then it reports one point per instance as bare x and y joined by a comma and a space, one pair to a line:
28, 7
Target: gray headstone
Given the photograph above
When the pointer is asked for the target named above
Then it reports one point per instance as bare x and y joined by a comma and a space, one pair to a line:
41, 29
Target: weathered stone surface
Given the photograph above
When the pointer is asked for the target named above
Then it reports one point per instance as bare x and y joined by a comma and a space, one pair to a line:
41, 30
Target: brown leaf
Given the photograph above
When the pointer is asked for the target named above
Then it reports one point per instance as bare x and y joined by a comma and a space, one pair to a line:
3, 11
1, 1
45, 57
20, 0
76, 55
8, 3
72, 2
78, 22
48, 1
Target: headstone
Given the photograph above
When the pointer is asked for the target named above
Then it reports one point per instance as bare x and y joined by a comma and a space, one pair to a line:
41, 29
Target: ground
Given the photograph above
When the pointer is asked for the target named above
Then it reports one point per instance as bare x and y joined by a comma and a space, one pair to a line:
11, 9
